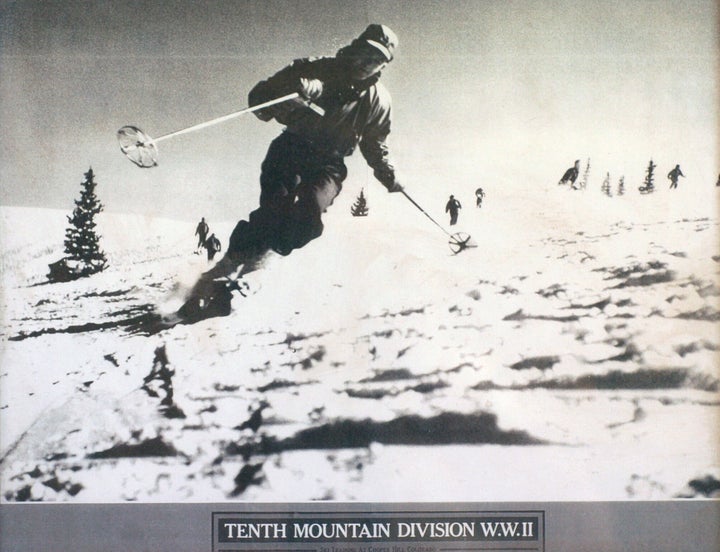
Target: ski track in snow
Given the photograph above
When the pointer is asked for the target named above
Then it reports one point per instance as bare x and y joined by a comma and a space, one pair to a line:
577, 363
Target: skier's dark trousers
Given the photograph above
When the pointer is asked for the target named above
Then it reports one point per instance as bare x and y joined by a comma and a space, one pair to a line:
297, 185
304, 167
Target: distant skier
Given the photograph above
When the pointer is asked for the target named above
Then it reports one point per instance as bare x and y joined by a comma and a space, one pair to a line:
453, 207
479, 195
718, 181
201, 232
571, 174
673, 175
212, 244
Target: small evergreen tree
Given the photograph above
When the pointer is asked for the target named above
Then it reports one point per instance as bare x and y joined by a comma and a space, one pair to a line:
82, 244
649, 184
360, 208
621, 186
606, 186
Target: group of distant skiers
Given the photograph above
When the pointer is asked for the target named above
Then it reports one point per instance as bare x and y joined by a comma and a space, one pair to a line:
570, 176
453, 206
210, 243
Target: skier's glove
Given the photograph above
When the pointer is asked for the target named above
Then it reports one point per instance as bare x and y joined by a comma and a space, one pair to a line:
310, 89
394, 187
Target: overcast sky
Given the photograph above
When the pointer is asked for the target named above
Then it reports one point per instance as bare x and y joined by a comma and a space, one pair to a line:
496, 92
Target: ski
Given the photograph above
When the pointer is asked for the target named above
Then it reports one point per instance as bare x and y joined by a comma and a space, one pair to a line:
214, 302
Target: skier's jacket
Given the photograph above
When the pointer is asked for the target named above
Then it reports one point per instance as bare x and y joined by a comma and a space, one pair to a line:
675, 173
356, 113
452, 206
214, 243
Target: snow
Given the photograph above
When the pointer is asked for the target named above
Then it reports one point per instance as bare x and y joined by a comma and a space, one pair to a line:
573, 355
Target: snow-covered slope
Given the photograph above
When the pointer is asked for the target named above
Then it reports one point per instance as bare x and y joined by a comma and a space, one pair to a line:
573, 355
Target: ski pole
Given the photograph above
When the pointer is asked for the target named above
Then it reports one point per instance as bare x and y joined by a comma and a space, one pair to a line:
458, 241
424, 213
141, 149
224, 118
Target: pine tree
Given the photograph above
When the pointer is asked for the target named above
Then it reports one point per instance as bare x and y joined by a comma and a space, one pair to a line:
360, 208
81, 241
606, 186
584, 182
649, 184
621, 186
82, 248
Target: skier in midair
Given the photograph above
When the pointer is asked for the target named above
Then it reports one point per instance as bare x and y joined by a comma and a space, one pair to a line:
673, 176
453, 207
304, 167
